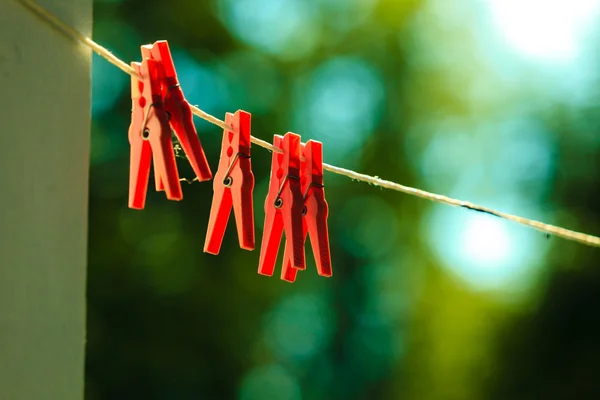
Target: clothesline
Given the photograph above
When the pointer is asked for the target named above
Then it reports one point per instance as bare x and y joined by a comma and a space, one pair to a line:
567, 234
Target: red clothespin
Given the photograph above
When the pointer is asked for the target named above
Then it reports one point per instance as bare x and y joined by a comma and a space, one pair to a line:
315, 212
233, 186
150, 136
178, 110
283, 206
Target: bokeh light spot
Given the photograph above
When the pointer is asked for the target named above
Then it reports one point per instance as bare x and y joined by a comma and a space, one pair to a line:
484, 251
299, 326
546, 30
286, 28
524, 156
515, 154
341, 105
344, 15
270, 382
485, 240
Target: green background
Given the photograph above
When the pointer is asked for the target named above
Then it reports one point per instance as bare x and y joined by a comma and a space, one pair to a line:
426, 301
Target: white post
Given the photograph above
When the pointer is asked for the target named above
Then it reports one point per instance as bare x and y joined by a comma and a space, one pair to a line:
44, 162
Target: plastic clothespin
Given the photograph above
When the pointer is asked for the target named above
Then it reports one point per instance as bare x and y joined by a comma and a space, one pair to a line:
283, 206
315, 212
150, 136
233, 186
178, 111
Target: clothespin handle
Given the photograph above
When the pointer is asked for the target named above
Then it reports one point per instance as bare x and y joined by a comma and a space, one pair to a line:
315, 212
233, 186
178, 109
150, 136
283, 206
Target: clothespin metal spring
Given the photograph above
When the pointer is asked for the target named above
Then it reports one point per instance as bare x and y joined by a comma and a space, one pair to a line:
278, 200
228, 180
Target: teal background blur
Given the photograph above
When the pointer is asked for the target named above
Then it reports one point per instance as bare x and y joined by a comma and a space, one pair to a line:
492, 101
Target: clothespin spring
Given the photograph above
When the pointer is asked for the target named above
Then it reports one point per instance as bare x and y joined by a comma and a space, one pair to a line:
278, 200
145, 132
308, 188
304, 209
228, 180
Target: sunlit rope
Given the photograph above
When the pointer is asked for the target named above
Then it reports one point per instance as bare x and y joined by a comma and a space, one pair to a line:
72, 33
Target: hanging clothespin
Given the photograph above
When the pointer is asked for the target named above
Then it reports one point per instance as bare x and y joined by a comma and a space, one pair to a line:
233, 186
150, 136
178, 110
315, 212
283, 206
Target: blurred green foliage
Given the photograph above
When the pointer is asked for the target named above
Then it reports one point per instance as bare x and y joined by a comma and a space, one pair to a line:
476, 100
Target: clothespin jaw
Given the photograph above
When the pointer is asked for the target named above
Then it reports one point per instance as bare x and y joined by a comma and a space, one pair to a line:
178, 109
150, 136
315, 212
283, 206
233, 186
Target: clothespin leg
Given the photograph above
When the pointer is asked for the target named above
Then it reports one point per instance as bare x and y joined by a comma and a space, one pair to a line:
292, 222
319, 235
293, 258
270, 243
183, 125
139, 173
181, 118
219, 216
288, 272
163, 151
158, 180
243, 208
